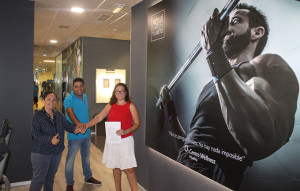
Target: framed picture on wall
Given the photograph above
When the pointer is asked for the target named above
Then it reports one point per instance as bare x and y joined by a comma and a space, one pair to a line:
106, 79
117, 81
105, 83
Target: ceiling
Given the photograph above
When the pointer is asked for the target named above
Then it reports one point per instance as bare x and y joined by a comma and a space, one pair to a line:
53, 20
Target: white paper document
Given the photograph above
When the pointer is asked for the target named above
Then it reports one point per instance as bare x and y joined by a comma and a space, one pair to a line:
111, 136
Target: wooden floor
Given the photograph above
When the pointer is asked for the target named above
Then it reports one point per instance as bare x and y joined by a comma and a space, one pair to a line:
99, 170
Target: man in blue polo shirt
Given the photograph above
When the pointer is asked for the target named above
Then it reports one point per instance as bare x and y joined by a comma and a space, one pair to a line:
76, 105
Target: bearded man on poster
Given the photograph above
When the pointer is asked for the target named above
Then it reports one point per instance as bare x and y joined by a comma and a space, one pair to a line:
246, 112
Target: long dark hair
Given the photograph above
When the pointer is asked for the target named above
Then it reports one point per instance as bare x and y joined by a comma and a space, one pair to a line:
113, 98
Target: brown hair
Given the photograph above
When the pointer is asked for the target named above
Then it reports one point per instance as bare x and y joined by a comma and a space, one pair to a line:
113, 98
47, 93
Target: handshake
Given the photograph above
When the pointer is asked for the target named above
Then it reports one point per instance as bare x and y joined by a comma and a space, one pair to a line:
81, 128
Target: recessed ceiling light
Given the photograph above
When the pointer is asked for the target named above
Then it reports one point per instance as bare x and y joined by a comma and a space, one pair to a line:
49, 61
53, 41
77, 10
117, 8
44, 54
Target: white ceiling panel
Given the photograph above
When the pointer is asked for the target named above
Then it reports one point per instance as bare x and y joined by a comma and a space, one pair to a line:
54, 20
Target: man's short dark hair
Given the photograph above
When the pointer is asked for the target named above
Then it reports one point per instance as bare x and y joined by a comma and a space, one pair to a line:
256, 19
78, 80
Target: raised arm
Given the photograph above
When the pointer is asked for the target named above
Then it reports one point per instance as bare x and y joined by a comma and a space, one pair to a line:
70, 127
176, 130
102, 115
259, 106
72, 116
259, 109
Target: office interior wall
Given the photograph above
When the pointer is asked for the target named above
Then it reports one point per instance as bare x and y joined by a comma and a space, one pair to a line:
16, 77
102, 54
280, 166
155, 171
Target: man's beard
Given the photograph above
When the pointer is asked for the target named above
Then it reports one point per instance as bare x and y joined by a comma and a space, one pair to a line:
235, 44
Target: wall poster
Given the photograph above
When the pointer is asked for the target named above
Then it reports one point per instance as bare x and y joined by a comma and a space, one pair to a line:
240, 128
106, 79
72, 64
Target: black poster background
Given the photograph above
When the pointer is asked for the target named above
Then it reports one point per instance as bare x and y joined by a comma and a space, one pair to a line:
177, 32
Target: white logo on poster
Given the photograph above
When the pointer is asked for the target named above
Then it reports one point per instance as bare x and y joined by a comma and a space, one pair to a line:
158, 26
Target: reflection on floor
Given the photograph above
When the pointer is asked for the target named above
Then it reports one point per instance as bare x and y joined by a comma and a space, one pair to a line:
99, 138
99, 142
98, 168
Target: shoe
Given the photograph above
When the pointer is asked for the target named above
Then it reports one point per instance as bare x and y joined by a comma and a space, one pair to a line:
69, 188
93, 181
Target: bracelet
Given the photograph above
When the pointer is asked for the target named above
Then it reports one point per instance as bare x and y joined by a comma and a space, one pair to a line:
126, 131
218, 61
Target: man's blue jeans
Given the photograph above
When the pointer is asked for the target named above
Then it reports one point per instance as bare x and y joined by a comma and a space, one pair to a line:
73, 146
44, 170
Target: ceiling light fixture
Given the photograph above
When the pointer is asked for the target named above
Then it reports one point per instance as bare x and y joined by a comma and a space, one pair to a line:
117, 8
53, 41
77, 10
50, 61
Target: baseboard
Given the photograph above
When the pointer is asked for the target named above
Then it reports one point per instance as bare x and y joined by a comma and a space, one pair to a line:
15, 184
141, 188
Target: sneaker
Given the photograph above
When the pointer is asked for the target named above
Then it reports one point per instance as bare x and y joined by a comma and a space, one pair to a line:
69, 188
93, 181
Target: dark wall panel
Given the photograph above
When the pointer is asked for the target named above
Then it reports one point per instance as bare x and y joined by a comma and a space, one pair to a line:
16, 77
155, 171
102, 54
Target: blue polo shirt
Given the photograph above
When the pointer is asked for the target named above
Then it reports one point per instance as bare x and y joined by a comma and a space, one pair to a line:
81, 110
